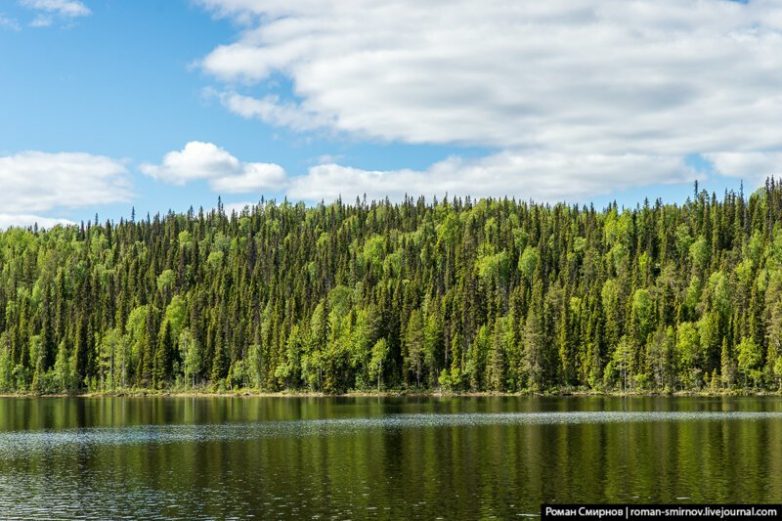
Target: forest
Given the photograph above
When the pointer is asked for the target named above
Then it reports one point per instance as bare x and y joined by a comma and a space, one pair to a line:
453, 294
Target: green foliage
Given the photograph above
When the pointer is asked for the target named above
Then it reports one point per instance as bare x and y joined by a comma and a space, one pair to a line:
379, 354
176, 314
255, 367
414, 344
6, 369
166, 280
688, 345
534, 345
619, 371
374, 250
528, 263
643, 314
749, 359
113, 363
190, 353
699, 253
493, 266
464, 295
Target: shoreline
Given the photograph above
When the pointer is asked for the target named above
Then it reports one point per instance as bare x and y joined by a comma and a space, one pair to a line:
399, 393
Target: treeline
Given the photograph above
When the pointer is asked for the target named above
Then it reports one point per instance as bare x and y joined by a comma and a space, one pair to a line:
454, 294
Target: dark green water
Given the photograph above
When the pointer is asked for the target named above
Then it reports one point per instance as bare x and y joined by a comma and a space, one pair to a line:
369, 458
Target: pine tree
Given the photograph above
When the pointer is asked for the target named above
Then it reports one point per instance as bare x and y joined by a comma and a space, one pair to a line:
459, 293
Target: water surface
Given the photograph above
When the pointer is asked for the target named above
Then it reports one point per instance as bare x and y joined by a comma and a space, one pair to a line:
370, 458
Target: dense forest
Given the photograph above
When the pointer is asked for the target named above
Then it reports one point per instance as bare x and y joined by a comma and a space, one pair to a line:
453, 294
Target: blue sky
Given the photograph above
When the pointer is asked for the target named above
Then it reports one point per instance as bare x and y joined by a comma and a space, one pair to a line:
109, 104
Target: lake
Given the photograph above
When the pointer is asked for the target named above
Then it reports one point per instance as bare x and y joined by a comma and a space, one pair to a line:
379, 458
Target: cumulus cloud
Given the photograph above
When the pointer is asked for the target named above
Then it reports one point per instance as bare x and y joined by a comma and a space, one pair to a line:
536, 176
25, 220
523, 175
197, 160
39, 181
65, 8
206, 161
754, 166
255, 177
663, 79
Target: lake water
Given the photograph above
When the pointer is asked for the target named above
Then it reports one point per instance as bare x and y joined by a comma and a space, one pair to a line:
372, 458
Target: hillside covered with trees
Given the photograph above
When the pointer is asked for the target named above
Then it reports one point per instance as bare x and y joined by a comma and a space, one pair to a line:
453, 294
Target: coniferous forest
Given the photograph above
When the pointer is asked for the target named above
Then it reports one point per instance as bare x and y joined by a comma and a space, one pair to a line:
452, 294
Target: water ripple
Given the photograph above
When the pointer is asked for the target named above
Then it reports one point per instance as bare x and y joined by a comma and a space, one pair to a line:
25, 441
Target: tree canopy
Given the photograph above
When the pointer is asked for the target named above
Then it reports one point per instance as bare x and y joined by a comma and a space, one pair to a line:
457, 294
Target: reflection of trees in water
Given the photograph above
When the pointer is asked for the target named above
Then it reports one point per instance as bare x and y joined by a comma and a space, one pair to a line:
276, 456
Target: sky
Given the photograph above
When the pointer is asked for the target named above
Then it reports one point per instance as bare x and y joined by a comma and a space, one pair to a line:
108, 105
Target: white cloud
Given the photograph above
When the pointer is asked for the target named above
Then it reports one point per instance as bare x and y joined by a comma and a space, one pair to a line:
752, 166
64, 8
25, 220
613, 79
40, 181
238, 208
530, 175
272, 110
8, 23
199, 160
255, 178
536, 176
42, 21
